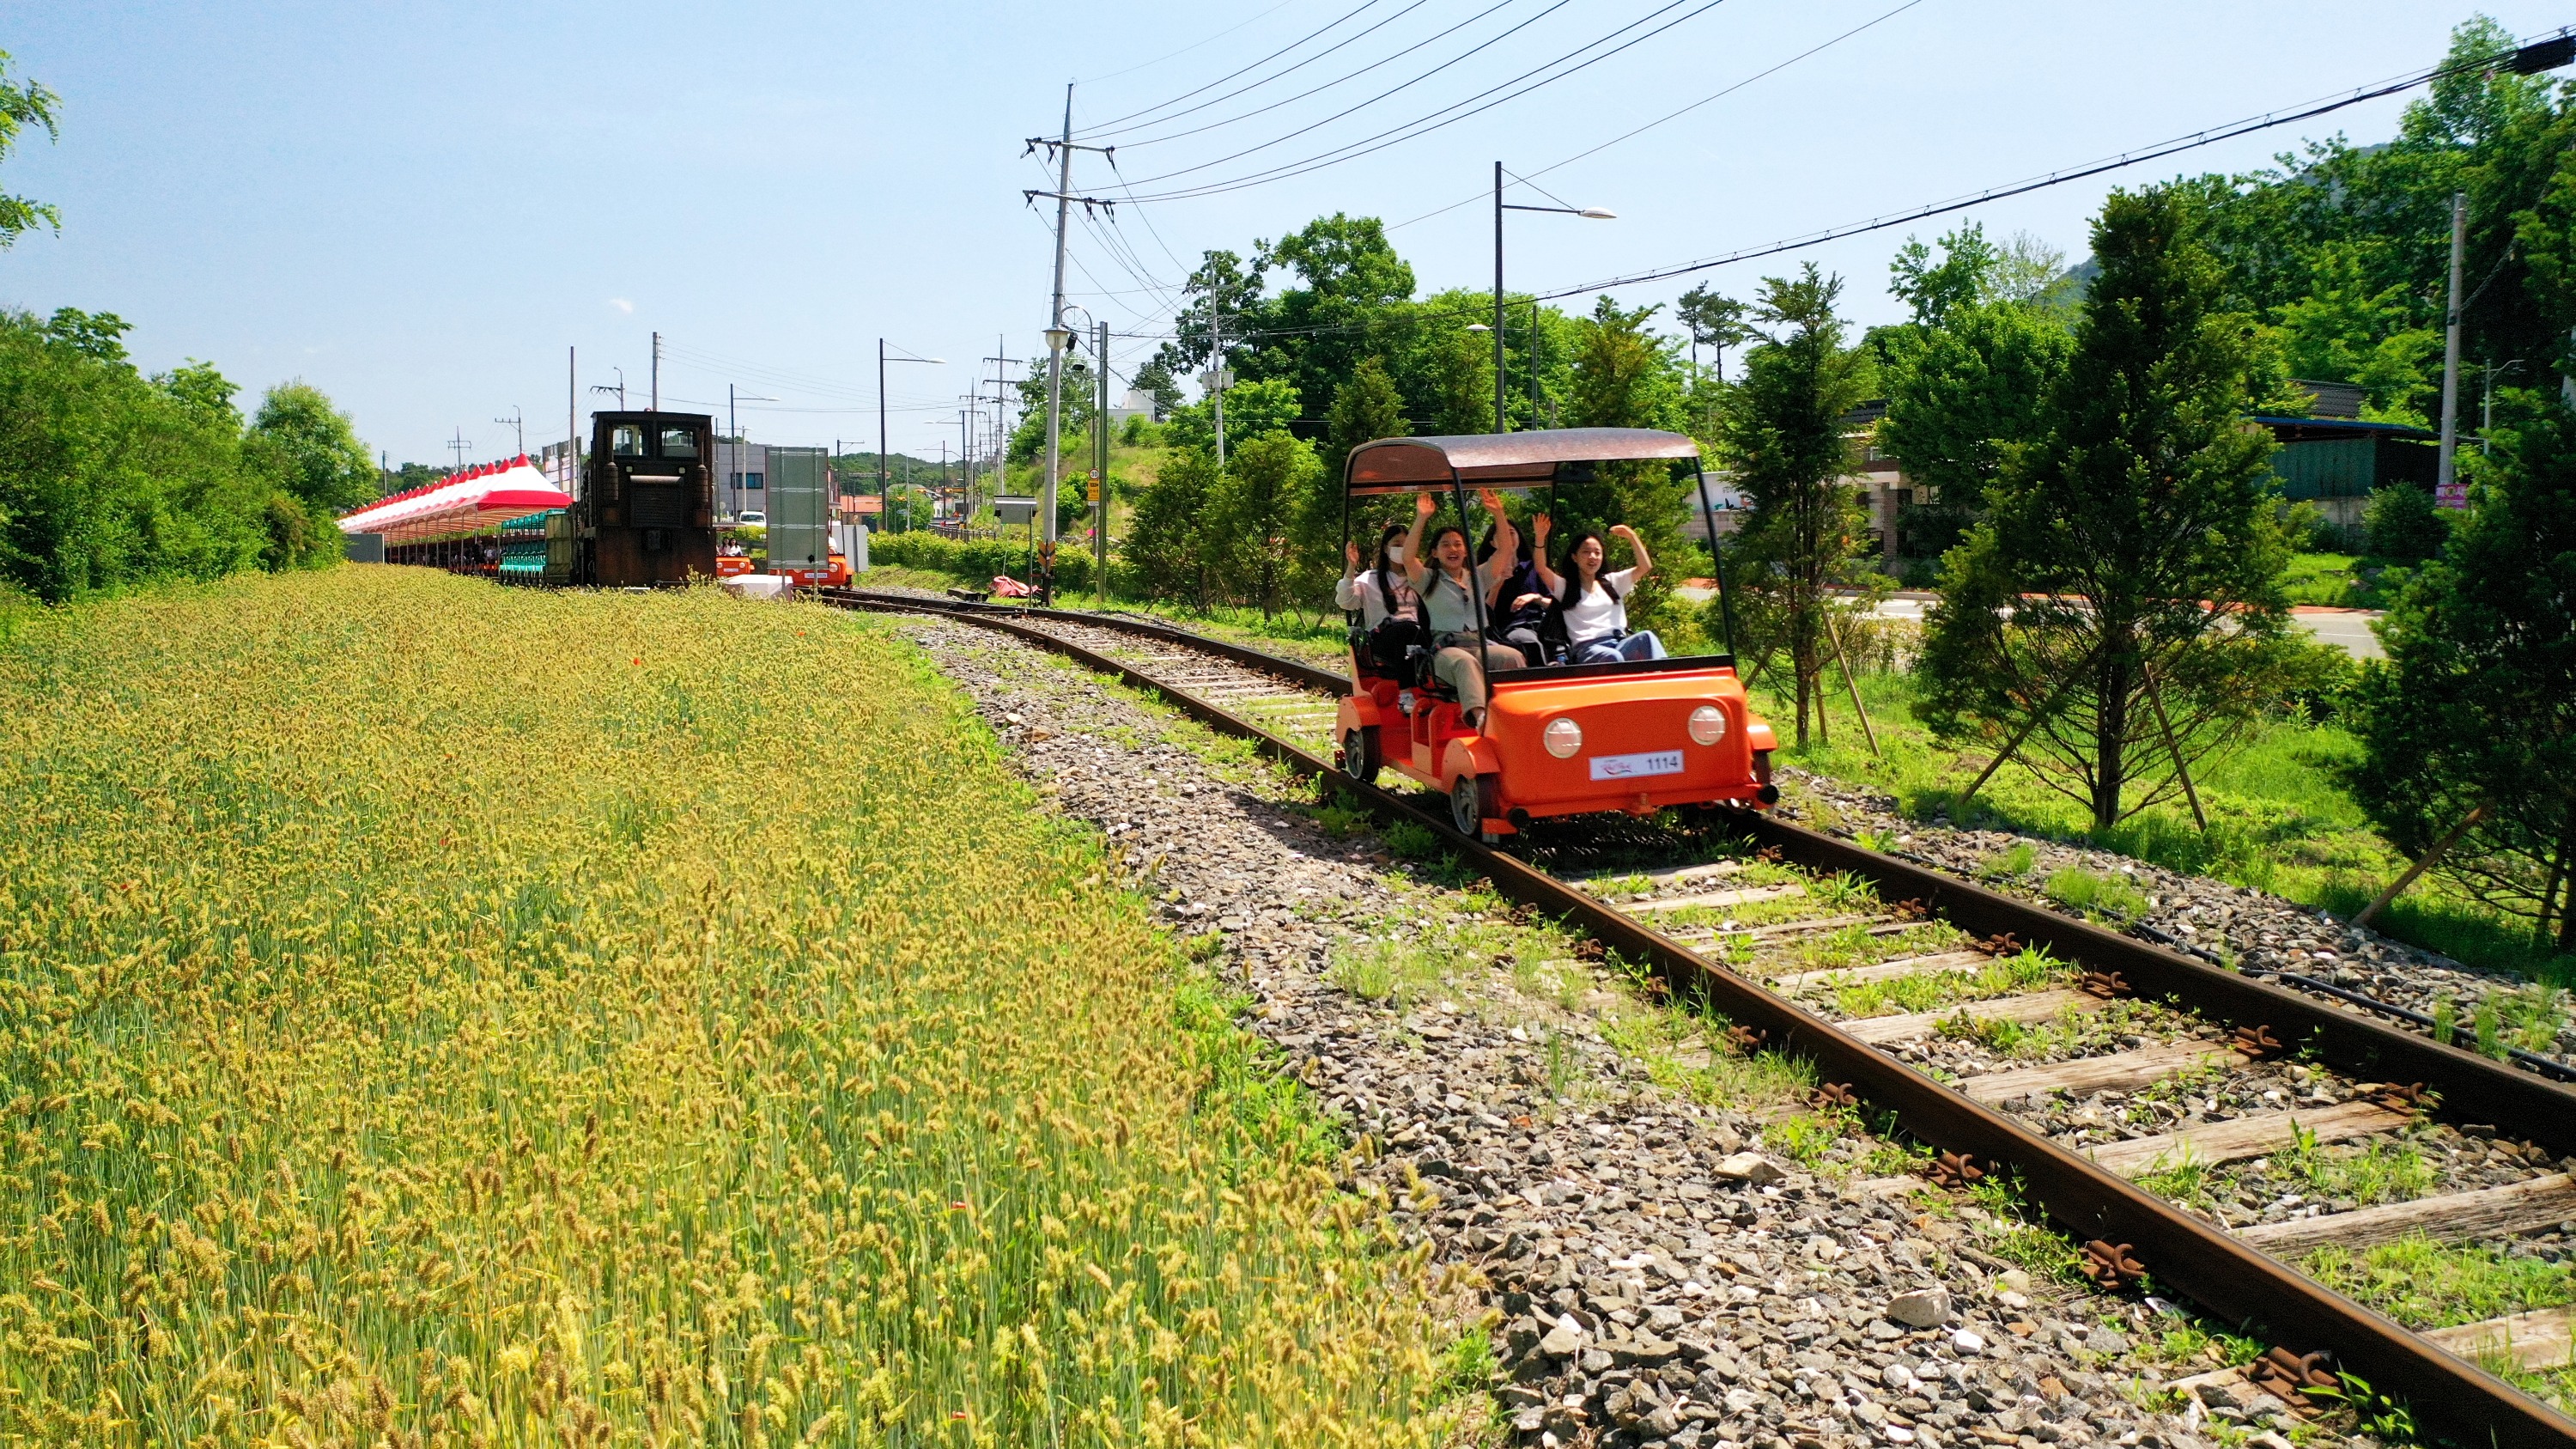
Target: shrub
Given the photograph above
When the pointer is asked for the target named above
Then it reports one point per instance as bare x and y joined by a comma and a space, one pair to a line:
2401, 522
979, 559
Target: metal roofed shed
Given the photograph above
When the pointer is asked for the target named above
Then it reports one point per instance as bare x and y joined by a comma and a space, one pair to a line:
1503, 460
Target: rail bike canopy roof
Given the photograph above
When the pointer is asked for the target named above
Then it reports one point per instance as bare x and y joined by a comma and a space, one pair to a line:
1502, 460
476, 500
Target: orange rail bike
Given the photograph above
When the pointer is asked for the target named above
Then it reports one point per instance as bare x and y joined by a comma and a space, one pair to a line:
1556, 739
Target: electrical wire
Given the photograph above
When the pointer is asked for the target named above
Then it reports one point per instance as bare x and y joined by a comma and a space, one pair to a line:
1382, 95
1385, 60
1186, 49
1104, 126
2153, 152
1284, 74
1677, 115
1424, 126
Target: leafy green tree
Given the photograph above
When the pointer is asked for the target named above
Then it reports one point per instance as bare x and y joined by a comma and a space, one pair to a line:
1783, 431
1965, 394
1155, 380
1625, 376
312, 449
1365, 408
2127, 572
1715, 322
24, 104
1251, 410
1256, 513
2476, 703
2346, 332
1959, 279
1454, 379
1073, 418
2402, 523
1168, 549
204, 390
106, 480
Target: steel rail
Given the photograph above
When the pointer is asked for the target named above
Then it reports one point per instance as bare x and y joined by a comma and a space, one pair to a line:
2234, 1281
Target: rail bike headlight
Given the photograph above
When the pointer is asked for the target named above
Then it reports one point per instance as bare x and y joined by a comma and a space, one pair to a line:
1563, 737
1707, 724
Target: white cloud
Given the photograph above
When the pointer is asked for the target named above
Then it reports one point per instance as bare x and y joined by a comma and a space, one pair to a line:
622, 305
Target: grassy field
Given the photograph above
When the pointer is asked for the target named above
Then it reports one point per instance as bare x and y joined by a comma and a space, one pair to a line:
2280, 819
436, 1014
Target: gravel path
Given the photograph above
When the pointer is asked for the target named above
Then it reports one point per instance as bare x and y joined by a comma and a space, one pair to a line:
1660, 1270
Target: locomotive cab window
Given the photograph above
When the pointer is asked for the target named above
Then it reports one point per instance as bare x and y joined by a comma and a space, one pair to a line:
626, 440
679, 442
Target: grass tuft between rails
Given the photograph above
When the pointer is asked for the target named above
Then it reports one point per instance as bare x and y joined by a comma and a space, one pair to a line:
436, 1013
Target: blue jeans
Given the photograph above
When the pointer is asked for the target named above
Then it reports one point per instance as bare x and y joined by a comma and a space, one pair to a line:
1641, 645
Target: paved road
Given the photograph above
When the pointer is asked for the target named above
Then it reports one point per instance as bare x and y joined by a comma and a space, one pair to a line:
2345, 629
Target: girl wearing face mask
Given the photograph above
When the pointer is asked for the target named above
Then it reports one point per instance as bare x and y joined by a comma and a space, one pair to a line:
1444, 580
1594, 604
1382, 589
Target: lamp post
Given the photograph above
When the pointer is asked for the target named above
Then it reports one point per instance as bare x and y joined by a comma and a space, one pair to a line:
1594, 213
882, 360
2486, 408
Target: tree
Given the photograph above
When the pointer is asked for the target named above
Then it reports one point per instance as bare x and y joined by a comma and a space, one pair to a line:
1365, 408
24, 104
1456, 380
1254, 514
1167, 547
1962, 397
1626, 377
1783, 430
312, 449
108, 480
1154, 380
1714, 322
202, 389
2476, 703
1960, 279
2402, 523
2127, 574
1251, 409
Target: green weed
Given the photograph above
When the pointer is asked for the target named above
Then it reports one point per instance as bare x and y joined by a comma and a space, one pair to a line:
2010, 864
2097, 897
2425, 1284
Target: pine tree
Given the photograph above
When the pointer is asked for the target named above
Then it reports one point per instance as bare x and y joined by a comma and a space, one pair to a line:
2121, 602
1783, 430
2476, 705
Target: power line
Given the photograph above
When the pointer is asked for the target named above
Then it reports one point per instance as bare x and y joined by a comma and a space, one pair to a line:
1230, 75
1384, 60
1676, 115
2153, 152
1424, 126
1186, 49
1373, 100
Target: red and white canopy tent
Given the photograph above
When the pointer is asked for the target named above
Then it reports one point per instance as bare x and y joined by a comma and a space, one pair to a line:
477, 500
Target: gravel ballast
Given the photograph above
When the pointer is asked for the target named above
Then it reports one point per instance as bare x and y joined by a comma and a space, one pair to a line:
1658, 1272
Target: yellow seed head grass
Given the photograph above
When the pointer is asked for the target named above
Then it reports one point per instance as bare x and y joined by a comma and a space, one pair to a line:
435, 1014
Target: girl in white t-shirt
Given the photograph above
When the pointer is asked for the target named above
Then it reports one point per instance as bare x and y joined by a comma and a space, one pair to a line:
1594, 604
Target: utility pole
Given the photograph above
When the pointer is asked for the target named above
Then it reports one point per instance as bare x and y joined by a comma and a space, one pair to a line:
2445, 474
1501, 423
1100, 476
518, 419
572, 419
1056, 335
458, 447
619, 389
1216, 379
657, 372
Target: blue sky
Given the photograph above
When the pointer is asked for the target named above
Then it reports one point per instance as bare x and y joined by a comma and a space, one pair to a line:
420, 207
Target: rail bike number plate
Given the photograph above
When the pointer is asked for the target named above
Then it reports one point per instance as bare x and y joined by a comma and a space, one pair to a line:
1632, 767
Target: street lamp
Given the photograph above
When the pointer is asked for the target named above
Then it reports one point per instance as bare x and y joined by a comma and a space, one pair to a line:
882, 360
1593, 213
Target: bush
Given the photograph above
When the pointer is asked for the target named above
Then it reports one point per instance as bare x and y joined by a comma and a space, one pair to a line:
979, 559
2401, 522
109, 479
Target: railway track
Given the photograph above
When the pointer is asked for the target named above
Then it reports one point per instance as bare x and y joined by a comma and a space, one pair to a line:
2112, 1078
